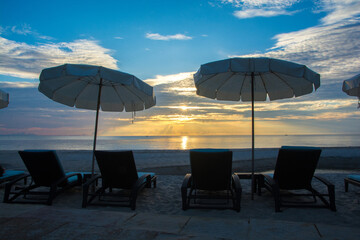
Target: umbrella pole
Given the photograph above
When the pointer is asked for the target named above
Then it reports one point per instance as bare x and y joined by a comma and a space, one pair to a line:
253, 138
96, 127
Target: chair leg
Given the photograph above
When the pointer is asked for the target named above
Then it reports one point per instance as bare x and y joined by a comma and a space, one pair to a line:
346, 185
276, 193
154, 182
238, 200
133, 205
133, 197
331, 190
260, 183
7, 193
148, 182
52, 195
85, 196
184, 198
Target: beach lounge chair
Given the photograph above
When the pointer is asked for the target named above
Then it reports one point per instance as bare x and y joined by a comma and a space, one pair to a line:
211, 183
47, 179
352, 179
293, 176
9, 175
120, 181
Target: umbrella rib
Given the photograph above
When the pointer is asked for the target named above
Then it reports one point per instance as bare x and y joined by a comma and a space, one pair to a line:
130, 92
136, 96
242, 85
262, 80
82, 90
224, 82
122, 101
283, 81
57, 89
208, 79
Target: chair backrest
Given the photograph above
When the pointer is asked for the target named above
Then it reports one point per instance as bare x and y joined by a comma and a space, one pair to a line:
211, 168
295, 167
43, 165
117, 168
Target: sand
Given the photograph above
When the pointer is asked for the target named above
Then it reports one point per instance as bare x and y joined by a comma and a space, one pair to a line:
171, 166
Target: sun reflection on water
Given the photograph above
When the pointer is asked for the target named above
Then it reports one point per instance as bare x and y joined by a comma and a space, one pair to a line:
184, 141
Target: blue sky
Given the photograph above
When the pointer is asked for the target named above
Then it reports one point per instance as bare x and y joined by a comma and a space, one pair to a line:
164, 43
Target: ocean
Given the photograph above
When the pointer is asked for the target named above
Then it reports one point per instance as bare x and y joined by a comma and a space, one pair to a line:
174, 142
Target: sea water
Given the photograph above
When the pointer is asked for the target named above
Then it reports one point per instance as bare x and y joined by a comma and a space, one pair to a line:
174, 142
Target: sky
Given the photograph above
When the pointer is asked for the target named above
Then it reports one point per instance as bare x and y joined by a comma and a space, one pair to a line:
164, 42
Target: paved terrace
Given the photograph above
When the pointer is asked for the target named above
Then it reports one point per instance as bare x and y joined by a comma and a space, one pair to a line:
28, 221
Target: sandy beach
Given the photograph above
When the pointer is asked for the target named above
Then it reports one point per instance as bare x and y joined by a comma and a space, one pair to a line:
165, 200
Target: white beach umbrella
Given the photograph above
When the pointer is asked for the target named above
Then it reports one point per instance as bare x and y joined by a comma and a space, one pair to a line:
352, 87
95, 87
254, 79
4, 99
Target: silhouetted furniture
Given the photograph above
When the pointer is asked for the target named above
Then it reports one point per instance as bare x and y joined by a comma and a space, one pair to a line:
352, 179
9, 175
258, 183
47, 176
294, 173
120, 181
211, 183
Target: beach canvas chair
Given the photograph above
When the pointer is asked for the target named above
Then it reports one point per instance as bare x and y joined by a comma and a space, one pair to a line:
9, 175
293, 176
211, 183
120, 181
47, 179
353, 179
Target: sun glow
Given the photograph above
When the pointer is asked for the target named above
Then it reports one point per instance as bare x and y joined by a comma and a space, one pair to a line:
184, 141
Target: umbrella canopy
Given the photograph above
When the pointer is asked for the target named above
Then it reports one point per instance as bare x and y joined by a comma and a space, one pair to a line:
79, 85
352, 87
254, 79
95, 87
4, 99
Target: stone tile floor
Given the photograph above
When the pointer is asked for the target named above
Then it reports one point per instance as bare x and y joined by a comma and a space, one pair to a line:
28, 221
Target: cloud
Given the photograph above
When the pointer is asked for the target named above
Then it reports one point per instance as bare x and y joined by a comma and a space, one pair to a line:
25, 30
19, 59
18, 85
339, 10
261, 3
119, 38
330, 48
157, 36
42, 131
261, 8
165, 79
251, 13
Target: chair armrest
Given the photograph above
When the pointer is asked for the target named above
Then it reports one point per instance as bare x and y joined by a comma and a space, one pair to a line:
141, 180
324, 181
90, 181
184, 190
331, 193
236, 182
238, 191
269, 179
62, 180
17, 179
271, 185
187, 181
